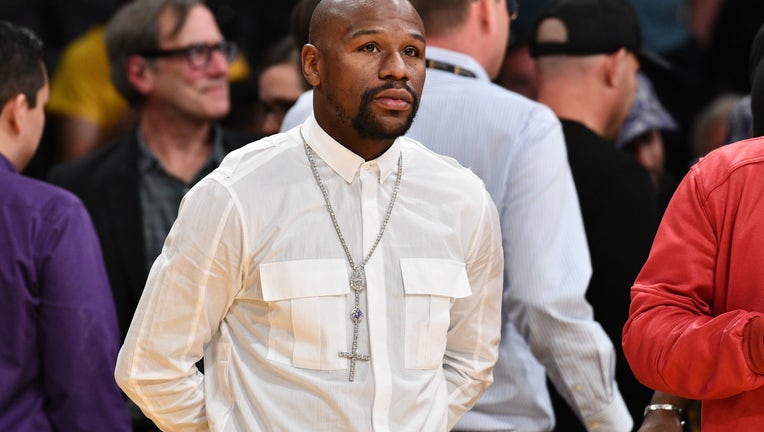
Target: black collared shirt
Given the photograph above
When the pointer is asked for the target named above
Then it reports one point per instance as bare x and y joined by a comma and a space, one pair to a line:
160, 192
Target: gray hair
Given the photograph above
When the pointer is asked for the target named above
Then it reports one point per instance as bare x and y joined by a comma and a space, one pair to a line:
134, 30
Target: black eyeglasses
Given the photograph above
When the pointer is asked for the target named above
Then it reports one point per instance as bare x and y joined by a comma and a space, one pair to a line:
513, 8
198, 56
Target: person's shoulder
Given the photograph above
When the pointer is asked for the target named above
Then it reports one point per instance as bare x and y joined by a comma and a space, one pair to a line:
497, 107
36, 197
439, 164
519, 104
743, 157
474, 90
741, 152
598, 155
254, 158
104, 161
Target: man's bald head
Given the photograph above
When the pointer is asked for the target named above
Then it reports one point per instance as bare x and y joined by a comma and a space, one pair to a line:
329, 13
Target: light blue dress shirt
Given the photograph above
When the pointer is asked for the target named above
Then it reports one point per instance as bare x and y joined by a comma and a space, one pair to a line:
516, 146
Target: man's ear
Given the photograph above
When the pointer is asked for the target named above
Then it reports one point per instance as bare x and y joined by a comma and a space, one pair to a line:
139, 74
613, 67
486, 11
311, 57
14, 110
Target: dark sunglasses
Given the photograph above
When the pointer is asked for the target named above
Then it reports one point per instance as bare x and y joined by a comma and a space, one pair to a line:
198, 56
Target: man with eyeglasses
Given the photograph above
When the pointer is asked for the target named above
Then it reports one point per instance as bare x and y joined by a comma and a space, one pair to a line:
170, 62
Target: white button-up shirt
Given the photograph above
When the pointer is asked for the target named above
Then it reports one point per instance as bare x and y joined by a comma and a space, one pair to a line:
516, 146
254, 278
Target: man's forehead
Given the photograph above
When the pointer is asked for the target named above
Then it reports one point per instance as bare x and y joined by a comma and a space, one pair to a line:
198, 25
358, 18
380, 25
372, 27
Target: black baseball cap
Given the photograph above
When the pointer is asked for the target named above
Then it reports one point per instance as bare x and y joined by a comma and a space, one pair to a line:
591, 27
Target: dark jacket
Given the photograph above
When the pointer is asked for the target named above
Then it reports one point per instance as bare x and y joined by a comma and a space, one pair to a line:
107, 183
619, 206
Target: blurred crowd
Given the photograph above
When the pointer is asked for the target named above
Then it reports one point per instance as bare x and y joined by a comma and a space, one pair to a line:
85, 109
707, 44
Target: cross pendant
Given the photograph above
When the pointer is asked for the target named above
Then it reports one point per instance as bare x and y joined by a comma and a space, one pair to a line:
353, 357
357, 284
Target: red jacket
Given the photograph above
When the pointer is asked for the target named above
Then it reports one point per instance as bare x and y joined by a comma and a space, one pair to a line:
694, 327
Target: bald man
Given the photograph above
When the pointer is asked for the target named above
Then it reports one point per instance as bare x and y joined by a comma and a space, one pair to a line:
587, 54
337, 277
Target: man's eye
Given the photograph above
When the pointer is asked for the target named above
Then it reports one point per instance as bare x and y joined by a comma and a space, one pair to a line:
369, 47
411, 52
197, 49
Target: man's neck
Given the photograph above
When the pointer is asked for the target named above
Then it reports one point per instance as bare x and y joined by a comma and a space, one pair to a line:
457, 45
182, 147
472, 37
569, 103
367, 148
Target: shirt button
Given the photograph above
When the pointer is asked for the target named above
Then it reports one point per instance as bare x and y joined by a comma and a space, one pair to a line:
595, 426
577, 387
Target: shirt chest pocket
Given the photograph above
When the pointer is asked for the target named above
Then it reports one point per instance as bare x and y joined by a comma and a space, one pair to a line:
431, 285
307, 312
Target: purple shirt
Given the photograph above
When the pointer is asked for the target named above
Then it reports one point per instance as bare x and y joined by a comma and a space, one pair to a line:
58, 327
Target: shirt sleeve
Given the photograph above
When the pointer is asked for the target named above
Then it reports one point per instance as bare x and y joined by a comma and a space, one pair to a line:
547, 270
189, 288
79, 338
473, 337
671, 320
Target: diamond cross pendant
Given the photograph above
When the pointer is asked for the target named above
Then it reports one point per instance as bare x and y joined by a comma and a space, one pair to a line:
353, 357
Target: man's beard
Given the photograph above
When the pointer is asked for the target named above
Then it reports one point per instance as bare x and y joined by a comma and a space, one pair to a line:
367, 126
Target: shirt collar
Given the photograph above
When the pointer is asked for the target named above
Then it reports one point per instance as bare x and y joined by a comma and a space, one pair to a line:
6, 165
343, 161
147, 160
457, 59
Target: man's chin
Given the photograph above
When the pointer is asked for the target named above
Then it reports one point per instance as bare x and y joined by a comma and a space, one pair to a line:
213, 113
383, 133
391, 129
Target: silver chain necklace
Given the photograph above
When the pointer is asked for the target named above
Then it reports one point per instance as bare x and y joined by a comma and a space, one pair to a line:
358, 278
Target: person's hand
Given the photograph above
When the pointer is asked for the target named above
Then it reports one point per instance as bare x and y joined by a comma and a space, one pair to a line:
661, 421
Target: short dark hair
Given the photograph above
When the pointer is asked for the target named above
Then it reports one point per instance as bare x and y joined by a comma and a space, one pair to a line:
441, 16
22, 70
134, 29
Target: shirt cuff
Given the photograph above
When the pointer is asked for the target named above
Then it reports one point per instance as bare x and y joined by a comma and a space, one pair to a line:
615, 417
753, 344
